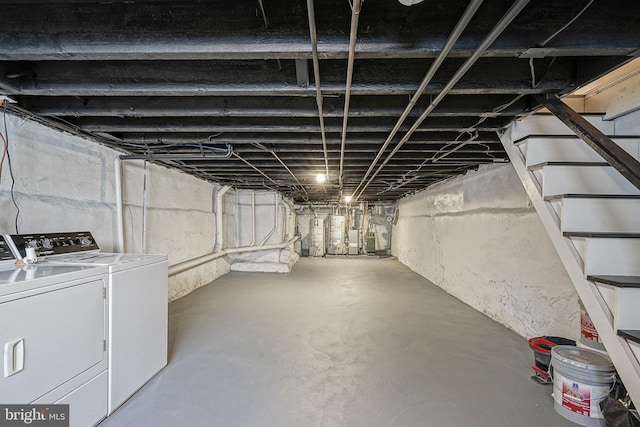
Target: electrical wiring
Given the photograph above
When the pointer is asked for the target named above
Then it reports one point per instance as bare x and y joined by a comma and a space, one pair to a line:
5, 146
442, 152
4, 154
13, 180
547, 40
472, 133
552, 36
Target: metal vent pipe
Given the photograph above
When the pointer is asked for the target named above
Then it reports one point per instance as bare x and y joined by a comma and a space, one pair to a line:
508, 17
353, 38
316, 75
463, 22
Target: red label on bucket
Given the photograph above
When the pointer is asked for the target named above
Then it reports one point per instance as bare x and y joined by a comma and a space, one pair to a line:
587, 328
576, 397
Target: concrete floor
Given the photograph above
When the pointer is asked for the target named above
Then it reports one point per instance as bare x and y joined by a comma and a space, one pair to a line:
338, 342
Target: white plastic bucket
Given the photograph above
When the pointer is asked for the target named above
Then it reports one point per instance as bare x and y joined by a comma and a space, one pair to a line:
581, 379
588, 334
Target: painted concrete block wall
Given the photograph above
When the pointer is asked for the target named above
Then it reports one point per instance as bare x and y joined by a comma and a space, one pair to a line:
61, 183
180, 221
64, 183
477, 237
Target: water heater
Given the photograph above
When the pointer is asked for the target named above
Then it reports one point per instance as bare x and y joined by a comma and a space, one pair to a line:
316, 242
336, 235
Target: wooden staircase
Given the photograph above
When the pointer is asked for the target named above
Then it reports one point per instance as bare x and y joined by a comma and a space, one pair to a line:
592, 215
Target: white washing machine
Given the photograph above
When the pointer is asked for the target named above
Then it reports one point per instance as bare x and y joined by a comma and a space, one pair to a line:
53, 336
137, 300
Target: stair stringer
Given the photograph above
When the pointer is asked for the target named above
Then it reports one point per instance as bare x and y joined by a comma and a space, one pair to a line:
618, 348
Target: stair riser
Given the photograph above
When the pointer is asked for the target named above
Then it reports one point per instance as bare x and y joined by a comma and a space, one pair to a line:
600, 215
627, 314
595, 180
623, 304
635, 349
610, 256
550, 125
542, 150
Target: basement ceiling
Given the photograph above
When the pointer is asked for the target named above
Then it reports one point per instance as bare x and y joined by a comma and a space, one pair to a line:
240, 93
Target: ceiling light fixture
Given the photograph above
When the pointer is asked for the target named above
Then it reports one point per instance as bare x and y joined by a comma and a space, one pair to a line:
347, 199
321, 178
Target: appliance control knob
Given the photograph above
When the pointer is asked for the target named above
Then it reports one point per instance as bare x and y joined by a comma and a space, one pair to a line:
85, 241
32, 244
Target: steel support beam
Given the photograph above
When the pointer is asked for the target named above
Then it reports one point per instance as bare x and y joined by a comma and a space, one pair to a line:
257, 128
274, 89
61, 49
622, 161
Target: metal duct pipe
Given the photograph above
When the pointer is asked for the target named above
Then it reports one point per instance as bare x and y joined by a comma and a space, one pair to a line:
181, 156
316, 76
287, 214
144, 207
192, 263
283, 232
463, 22
253, 218
356, 6
119, 208
219, 220
508, 17
275, 220
262, 248
236, 214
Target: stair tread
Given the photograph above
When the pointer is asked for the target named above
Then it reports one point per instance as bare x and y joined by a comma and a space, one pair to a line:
593, 196
619, 281
565, 137
588, 164
631, 334
600, 234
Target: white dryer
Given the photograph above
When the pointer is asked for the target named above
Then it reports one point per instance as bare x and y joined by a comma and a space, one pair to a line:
137, 298
53, 336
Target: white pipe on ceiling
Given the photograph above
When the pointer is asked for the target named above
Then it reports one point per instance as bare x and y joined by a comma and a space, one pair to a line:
508, 17
316, 75
463, 22
356, 6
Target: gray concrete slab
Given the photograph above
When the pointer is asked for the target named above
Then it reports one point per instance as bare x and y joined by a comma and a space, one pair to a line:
353, 342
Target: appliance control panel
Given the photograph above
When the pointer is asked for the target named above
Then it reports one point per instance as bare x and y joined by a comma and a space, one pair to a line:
48, 244
5, 250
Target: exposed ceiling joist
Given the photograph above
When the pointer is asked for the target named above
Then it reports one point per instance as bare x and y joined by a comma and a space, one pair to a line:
180, 77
